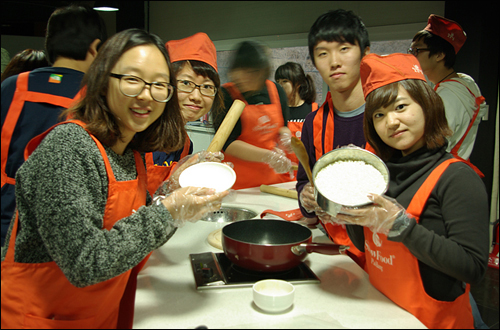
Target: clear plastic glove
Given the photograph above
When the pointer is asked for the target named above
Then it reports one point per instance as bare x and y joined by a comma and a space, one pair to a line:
278, 161
191, 203
309, 203
206, 156
379, 217
307, 199
285, 142
173, 181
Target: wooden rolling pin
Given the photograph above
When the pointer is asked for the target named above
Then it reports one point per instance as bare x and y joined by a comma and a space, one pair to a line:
279, 191
227, 126
300, 151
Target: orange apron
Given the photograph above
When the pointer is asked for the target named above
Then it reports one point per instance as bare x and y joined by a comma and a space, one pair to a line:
296, 130
337, 233
479, 100
38, 295
260, 125
394, 271
22, 95
157, 174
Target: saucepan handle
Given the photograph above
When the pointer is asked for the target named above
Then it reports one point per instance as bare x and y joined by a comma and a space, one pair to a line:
330, 249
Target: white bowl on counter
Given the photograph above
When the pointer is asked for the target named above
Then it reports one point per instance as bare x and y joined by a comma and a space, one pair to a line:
273, 296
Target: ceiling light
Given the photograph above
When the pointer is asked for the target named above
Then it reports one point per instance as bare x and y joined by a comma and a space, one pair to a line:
106, 6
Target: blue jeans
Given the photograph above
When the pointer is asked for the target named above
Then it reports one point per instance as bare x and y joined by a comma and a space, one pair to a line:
478, 321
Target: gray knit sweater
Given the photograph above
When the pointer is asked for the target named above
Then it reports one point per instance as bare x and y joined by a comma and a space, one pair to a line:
61, 193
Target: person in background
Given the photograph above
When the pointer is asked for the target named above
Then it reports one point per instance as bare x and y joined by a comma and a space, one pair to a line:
301, 93
436, 48
85, 221
253, 144
194, 63
32, 101
426, 240
338, 40
27, 60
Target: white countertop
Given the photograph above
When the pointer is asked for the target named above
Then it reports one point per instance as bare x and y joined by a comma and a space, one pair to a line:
167, 296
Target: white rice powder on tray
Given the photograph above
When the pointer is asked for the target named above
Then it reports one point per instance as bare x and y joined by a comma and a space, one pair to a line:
349, 182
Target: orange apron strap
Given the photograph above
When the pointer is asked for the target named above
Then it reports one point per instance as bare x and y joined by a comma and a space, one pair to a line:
317, 132
417, 204
273, 92
454, 151
10, 122
149, 159
322, 147
60, 101
314, 106
478, 100
9, 256
234, 92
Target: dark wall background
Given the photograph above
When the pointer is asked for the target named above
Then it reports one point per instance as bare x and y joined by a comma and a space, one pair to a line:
479, 58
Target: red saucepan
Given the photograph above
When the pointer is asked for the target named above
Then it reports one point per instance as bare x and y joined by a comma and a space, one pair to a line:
271, 245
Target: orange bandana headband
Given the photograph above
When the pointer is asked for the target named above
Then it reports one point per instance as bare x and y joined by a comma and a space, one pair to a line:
377, 71
197, 47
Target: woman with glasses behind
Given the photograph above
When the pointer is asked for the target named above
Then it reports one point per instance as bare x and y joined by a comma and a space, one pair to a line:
85, 221
194, 64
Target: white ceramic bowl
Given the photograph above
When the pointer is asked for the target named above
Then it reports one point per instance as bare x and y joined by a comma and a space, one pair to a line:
273, 296
208, 174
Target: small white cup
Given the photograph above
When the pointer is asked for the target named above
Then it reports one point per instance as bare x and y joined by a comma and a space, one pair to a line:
273, 296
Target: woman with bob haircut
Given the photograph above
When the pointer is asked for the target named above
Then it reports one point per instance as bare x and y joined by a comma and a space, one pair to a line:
427, 239
85, 222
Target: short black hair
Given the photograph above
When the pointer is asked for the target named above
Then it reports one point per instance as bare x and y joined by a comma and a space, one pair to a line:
437, 45
249, 55
338, 25
71, 30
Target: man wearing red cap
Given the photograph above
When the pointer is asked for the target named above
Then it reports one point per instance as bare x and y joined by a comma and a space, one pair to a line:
436, 47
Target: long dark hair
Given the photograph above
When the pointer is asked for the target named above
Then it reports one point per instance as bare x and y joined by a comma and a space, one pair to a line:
436, 126
165, 134
27, 60
300, 81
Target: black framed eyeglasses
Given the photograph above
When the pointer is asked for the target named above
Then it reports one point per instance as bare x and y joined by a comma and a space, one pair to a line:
188, 86
132, 86
414, 51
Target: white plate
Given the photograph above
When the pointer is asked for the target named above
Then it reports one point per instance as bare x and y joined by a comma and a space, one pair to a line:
208, 174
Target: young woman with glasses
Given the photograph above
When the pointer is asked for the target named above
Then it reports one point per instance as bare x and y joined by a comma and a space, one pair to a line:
194, 64
85, 222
